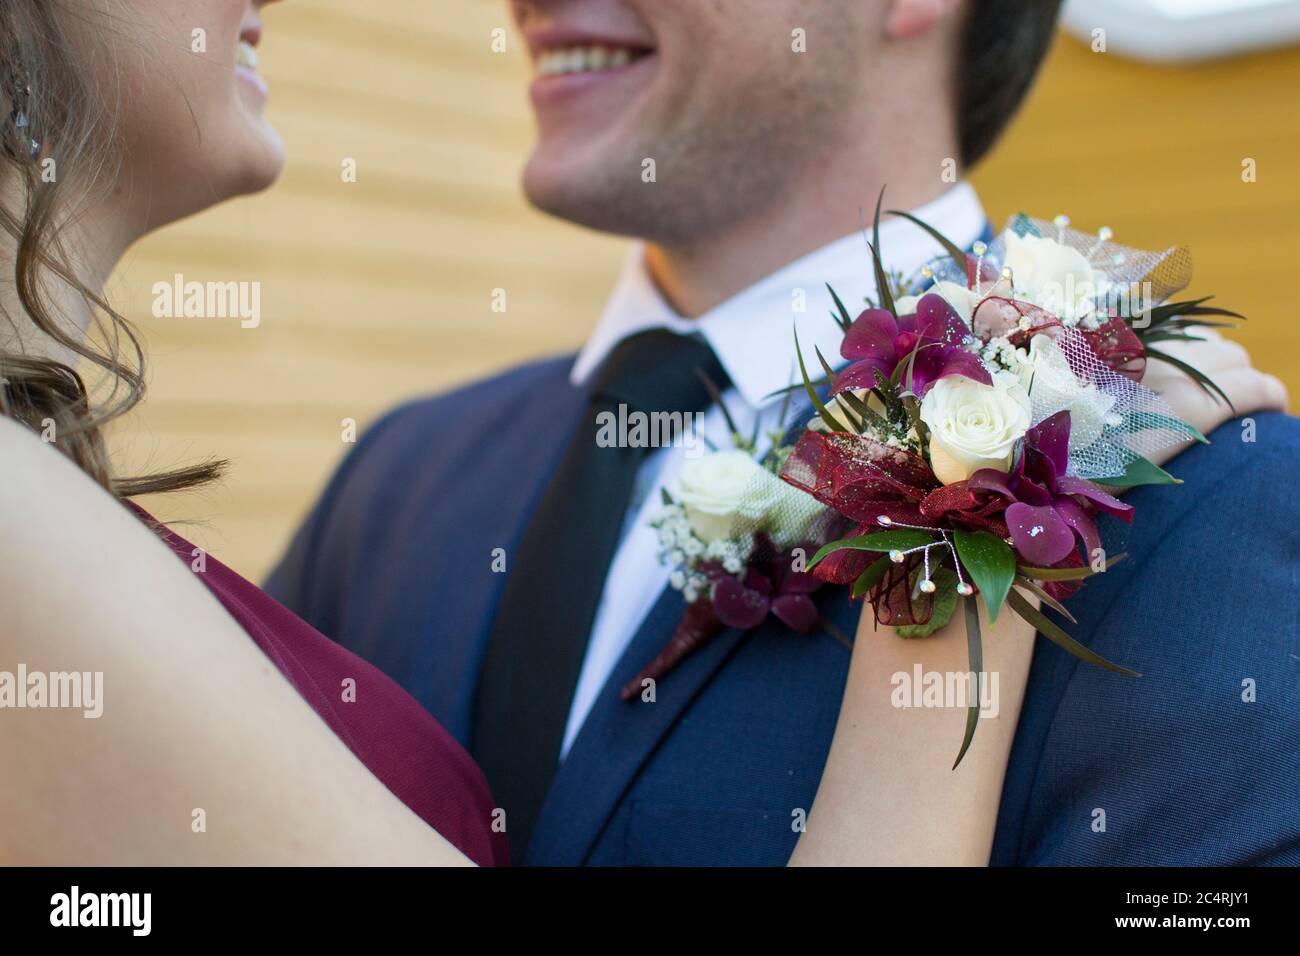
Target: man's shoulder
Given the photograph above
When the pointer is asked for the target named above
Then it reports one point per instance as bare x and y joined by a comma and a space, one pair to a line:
1203, 608
1241, 446
1204, 589
1233, 505
1231, 478
481, 400
506, 402
441, 455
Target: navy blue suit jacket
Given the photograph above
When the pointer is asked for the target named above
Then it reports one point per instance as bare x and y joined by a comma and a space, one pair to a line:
395, 562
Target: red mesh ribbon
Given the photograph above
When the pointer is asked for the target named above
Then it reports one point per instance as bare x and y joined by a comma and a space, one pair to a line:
896, 601
959, 505
1118, 348
859, 477
1009, 311
1115, 344
863, 479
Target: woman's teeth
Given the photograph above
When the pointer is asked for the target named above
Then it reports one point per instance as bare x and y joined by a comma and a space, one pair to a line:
583, 59
247, 56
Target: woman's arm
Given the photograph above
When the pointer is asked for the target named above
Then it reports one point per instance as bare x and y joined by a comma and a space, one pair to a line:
195, 717
888, 794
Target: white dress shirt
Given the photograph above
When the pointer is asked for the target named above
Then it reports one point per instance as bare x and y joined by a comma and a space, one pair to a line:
752, 335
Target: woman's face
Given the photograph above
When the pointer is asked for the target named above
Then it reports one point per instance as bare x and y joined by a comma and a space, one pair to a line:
191, 102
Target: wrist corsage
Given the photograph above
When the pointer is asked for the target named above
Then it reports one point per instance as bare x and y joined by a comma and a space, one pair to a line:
989, 411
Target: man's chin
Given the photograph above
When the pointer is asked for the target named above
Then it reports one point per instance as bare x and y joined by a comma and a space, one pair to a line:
582, 195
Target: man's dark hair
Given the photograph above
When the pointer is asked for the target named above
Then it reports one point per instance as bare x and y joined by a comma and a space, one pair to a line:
1003, 45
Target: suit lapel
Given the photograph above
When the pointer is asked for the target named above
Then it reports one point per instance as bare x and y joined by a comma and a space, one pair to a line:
618, 737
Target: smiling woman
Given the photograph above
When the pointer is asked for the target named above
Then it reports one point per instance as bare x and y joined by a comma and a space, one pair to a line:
79, 191
116, 111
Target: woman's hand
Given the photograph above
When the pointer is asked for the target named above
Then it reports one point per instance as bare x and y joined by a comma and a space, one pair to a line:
1228, 364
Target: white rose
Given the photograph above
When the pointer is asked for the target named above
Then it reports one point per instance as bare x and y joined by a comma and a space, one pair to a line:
728, 488
1052, 276
974, 426
962, 299
721, 487
1054, 387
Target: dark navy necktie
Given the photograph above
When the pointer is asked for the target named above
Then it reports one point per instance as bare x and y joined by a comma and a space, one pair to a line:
556, 575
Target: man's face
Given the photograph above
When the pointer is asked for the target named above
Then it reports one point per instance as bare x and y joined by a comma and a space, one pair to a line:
667, 119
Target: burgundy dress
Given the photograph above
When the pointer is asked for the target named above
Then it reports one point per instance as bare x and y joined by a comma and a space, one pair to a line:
396, 738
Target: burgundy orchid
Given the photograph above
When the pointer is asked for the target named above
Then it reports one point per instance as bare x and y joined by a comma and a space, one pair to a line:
1045, 512
878, 342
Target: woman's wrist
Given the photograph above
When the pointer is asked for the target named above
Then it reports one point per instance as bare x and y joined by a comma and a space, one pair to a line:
889, 793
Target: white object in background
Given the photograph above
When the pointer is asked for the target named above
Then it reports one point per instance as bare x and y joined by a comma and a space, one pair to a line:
1178, 30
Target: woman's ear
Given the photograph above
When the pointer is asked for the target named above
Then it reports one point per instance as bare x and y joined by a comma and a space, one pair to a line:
912, 18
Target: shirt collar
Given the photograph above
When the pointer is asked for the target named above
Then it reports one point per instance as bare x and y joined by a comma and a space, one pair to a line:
752, 333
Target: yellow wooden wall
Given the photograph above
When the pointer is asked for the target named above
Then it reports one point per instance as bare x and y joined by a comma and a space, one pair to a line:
381, 290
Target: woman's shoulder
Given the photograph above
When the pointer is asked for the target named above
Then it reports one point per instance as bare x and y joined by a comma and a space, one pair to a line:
62, 534
45, 499
189, 703
34, 467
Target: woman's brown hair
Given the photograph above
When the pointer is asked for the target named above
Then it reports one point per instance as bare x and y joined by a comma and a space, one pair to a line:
51, 120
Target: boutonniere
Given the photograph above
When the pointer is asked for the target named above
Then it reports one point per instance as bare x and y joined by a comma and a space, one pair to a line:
737, 539
990, 410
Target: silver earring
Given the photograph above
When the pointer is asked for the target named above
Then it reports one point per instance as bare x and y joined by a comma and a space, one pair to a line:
20, 120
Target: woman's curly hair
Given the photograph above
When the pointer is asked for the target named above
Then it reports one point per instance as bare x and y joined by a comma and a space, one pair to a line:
53, 120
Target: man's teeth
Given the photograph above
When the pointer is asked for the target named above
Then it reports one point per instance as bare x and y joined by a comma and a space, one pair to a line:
247, 56
581, 59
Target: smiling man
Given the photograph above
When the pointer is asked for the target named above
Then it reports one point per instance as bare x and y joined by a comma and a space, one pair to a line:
485, 550
763, 125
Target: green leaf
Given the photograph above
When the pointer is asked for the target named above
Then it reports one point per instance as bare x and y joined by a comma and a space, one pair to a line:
903, 371
901, 539
843, 318
883, 291
865, 412
1059, 637
1139, 471
912, 405
1066, 574
991, 564
856, 423
1198, 310
975, 651
941, 610
887, 389
949, 246
1182, 324
1163, 313
1164, 423
1195, 374
869, 578
715, 395
1177, 310
831, 421
788, 390
1033, 588
1171, 335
